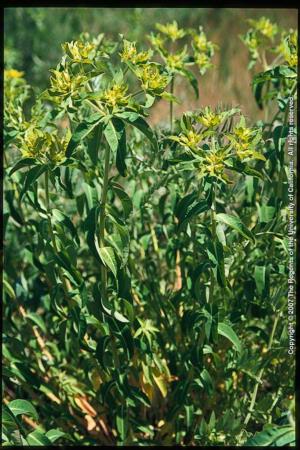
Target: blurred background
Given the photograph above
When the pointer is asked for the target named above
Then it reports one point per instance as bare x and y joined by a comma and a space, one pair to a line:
33, 37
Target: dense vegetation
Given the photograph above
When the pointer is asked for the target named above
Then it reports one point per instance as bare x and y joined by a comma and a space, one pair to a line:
146, 268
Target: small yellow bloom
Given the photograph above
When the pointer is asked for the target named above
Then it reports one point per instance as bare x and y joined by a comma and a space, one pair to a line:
12, 73
176, 60
63, 83
209, 119
116, 95
265, 27
214, 164
130, 54
152, 79
171, 30
191, 139
79, 51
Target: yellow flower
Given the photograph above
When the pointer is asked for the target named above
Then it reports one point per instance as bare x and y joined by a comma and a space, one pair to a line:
265, 27
209, 119
79, 51
191, 139
152, 79
12, 73
176, 60
62, 83
171, 30
156, 40
116, 95
130, 54
203, 61
214, 165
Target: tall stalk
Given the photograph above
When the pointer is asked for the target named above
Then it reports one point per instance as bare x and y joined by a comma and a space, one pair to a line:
102, 221
214, 236
261, 372
52, 235
171, 103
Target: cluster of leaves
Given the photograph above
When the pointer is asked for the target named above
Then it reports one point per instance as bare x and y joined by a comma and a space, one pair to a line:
145, 272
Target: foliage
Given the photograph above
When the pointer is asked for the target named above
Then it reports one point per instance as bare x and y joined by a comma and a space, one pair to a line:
145, 268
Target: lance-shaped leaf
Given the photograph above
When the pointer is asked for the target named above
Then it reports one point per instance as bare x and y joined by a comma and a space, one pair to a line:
108, 258
236, 223
18, 407
32, 175
82, 130
124, 199
226, 330
36, 438
138, 122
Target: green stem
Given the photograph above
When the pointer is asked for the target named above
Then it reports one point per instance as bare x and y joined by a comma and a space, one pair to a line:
102, 221
261, 372
52, 235
171, 103
214, 236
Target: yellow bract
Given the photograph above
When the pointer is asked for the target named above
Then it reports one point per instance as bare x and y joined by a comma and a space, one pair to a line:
116, 95
42, 144
12, 73
130, 54
202, 60
171, 30
151, 78
191, 139
209, 119
79, 51
63, 83
214, 164
176, 60
265, 27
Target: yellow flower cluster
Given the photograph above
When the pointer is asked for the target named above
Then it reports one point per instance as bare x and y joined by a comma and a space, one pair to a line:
176, 60
265, 27
131, 54
244, 142
63, 83
171, 30
151, 78
213, 165
116, 95
78, 51
12, 74
209, 119
203, 51
288, 48
44, 145
157, 40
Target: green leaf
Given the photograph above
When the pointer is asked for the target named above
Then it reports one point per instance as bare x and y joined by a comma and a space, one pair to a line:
82, 130
235, 223
124, 198
141, 125
108, 258
272, 435
192, 79
260, 278
227, 331
18, 407
31, 176
37, 319
22, 163
111, 136
53, 435
121, 155
8, 289
121, 422
38, 438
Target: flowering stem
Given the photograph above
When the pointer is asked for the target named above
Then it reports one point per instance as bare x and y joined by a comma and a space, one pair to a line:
214, 236
171, 103
102, 221
60, 273
261, 372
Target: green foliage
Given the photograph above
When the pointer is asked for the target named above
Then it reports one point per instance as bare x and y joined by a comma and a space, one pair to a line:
145, 267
